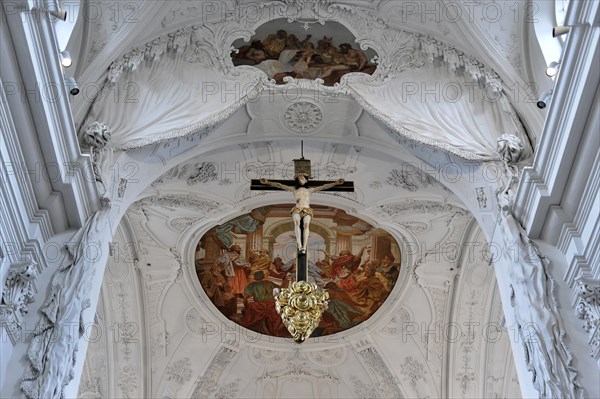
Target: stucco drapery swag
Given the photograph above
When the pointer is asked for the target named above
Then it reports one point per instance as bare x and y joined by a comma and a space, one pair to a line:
55, 341
170, 99
440, 108
429, 104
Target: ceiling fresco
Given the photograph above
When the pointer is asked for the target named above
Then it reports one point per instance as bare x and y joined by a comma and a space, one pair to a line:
240, 262
280, 50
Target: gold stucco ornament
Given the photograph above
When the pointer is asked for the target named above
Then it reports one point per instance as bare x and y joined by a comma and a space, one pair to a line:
301, 307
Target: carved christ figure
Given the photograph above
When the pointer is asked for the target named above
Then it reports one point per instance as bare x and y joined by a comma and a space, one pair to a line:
302, 213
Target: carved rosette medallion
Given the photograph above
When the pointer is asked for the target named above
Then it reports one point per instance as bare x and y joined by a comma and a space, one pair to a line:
303, 117
301, 308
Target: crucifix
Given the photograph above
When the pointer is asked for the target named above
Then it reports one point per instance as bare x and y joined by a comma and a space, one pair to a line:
301, 306
302, 188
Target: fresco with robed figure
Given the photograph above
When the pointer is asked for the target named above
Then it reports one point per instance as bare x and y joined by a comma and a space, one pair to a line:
240, 262
281, 50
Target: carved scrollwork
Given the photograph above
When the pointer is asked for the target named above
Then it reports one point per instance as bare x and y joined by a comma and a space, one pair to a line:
397, 324
416, 374
18, 292
208, 45
208, 384
386, 381
180, 371
128, 382
396, 52
398, 208
266, 357
328, 357
510, 148
297, 367
588, 310
96, 135
18, 288
411, 180
173, 201
182, 223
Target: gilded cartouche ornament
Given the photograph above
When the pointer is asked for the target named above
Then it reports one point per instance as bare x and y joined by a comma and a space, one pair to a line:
301, 307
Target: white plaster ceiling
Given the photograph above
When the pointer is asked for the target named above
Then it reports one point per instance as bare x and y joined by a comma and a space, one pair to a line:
440, 333
160, 336
486, 29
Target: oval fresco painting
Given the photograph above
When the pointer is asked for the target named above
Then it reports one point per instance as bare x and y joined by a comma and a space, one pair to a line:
240, 262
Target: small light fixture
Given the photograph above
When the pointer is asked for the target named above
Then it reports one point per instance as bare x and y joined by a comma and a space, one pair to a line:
65, 59
72, 85
58, 14
560, 30
544, 99
552, 69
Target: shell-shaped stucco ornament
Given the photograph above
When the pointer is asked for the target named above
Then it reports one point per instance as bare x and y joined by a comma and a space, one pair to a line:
510, 148
96, 135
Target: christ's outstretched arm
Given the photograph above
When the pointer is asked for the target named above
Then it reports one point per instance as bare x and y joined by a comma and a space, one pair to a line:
326, 186
278, 185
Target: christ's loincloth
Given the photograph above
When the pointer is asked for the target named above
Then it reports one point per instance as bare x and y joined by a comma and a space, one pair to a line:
302, 211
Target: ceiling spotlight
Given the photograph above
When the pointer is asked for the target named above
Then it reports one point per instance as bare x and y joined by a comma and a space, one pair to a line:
72, 85
560, 30
552, 69
65, 59
59, 14
544, 99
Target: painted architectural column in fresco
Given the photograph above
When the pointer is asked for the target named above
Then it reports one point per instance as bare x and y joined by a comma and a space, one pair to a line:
343, 241
212, 250
380, 247
331, 244
254, 240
